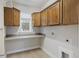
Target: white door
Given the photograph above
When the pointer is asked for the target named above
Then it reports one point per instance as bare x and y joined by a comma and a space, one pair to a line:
2, 50
1, 15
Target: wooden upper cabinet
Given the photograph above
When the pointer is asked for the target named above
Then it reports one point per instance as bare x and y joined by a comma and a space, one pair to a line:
53, 14
8, 16
61, 12
70, 14
44, 19
78, 11
36, 19
57, 12
16, 17
11, 16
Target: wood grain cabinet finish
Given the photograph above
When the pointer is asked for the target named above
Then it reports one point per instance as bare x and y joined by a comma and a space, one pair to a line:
11, 16
62, 12
8, 16
44, 19
16, 17
70, 14
78, 11
36, 19
53, 14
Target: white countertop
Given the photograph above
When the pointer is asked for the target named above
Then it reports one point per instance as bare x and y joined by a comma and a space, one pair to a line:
23, 37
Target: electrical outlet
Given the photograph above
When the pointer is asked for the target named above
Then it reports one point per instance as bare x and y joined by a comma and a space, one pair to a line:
52, 33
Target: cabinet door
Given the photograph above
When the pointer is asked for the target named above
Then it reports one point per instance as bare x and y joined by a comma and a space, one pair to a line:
44, 18
8, 16
50, 15
53, 14
16, 17
70, 15
61, 11
57, 13
78, 11
36, 19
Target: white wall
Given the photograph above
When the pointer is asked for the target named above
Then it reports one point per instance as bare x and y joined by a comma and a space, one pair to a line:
1, 15
8, 3
2, 48
51, 43
61, 33
78, 36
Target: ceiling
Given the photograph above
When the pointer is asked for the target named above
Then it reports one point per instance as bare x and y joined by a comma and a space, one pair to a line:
32, 3
29, 5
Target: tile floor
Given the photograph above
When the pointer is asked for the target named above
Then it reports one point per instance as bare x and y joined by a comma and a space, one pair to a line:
36, 53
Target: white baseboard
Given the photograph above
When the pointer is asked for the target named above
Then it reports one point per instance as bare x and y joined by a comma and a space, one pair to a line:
50, 54
24, 49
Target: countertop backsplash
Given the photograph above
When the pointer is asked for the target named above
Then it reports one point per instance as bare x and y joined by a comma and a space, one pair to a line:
10, 30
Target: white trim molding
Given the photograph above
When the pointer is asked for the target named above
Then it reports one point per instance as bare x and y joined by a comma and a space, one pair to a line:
24, 49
